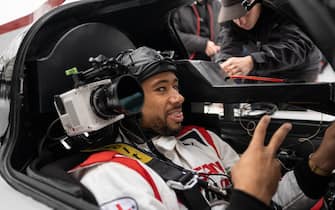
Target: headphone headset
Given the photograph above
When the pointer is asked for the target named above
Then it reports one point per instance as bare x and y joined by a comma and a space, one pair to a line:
248, 4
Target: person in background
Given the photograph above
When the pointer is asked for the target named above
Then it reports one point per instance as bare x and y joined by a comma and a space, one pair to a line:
257, 40
198, 28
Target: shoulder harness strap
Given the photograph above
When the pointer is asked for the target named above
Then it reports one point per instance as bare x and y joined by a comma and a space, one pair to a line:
184, 182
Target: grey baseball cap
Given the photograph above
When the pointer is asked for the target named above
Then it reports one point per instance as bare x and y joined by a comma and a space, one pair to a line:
230, 10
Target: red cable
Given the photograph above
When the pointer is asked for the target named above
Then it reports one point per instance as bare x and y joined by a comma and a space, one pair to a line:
266, 79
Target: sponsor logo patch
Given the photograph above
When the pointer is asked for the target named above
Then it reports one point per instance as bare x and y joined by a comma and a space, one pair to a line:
120, 204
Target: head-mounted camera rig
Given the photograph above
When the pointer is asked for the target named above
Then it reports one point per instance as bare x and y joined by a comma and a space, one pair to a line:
102, 95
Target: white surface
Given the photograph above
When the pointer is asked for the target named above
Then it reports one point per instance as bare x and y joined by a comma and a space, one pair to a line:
12, 199
303, 115
13, 9
4, 109
328, 75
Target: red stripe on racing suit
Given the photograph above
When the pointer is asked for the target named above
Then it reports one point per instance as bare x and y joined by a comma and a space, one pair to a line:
204, 134
111, 156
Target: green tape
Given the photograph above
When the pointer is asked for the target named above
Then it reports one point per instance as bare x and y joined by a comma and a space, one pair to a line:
71, 71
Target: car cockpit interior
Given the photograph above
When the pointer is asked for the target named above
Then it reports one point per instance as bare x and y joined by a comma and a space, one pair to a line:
60, 76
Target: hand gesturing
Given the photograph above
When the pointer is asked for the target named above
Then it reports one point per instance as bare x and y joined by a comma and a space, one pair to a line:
258, 171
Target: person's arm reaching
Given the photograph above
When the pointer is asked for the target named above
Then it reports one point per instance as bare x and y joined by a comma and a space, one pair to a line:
230, 45
291, 49
314, 174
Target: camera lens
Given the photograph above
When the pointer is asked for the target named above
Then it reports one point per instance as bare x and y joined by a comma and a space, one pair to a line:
123, 96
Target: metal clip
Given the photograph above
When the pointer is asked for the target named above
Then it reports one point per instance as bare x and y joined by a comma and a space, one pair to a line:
180, 186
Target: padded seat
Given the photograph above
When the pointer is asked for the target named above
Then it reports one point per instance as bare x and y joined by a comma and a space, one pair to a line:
54, 173
74, 49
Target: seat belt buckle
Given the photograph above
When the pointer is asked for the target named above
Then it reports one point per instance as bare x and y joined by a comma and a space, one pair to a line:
178, 185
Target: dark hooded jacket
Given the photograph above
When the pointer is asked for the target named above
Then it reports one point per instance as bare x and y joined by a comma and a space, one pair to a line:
279, 48
196, 24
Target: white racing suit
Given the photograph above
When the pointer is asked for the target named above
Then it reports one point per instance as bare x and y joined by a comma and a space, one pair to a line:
120, 182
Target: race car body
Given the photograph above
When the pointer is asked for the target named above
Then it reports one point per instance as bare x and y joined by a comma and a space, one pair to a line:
41, 50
